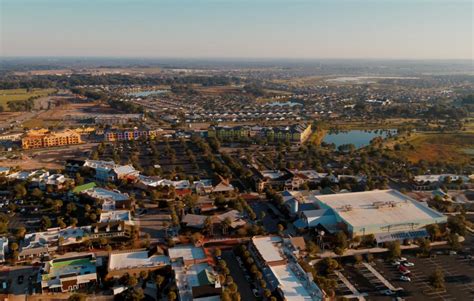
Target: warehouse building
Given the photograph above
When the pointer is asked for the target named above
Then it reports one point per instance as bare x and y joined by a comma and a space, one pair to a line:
388, 214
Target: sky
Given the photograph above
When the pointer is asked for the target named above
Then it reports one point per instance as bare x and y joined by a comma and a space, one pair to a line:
305, 29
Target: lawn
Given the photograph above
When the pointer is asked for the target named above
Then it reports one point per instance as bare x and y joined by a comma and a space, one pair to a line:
21, 94
446, 147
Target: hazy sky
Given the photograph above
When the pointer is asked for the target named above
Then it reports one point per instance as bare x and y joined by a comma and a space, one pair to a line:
427, 29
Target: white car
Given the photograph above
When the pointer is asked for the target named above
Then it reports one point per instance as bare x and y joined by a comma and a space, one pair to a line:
408, 264
402, 259
405, 278
395, 263
406, 272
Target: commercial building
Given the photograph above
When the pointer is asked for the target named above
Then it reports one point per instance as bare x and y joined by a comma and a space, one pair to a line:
218, 221
110, 199
195, 278
275, 179
106, 171
275, 257
432, 182
116, 216
388, 214
133, 262
44, 138
69, 274
38, 244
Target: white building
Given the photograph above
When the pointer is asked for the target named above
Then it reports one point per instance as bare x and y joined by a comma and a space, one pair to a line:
3, 248
378, 212
282, 271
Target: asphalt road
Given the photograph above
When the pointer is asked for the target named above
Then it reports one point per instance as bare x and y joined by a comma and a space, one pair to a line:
238, 275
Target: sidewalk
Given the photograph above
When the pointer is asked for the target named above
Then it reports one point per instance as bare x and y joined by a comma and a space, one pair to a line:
352, 252
355, 292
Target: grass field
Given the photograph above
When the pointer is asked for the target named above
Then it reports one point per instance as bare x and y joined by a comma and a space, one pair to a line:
446, 147
21, 94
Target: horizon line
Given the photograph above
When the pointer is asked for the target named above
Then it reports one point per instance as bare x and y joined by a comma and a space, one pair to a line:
232, 58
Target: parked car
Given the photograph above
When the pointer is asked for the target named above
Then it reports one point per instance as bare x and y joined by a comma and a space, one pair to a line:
388, 292
402, 259
408, 264
395, 263
405, 278
453, 253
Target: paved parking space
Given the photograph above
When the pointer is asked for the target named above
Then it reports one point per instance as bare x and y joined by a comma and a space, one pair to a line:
271, 220
26, 285
458, 272
367, 281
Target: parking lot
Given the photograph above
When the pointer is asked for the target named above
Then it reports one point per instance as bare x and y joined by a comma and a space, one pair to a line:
271, 220
458, 272
21, 279
366, 280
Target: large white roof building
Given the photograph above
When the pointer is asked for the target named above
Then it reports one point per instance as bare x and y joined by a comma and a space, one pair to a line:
378, 211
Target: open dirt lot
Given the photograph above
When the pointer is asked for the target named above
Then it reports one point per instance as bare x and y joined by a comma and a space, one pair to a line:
50, 158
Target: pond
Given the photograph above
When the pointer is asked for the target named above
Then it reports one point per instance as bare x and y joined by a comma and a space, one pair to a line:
147, 93
359, 138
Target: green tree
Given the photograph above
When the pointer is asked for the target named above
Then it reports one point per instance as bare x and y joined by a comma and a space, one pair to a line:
20, 191
457, 224
453, 241
434, 231
340, 240
437, 279
45, 222
77, 297
394, 250
172, 296
159, 280
132, 281
20, 233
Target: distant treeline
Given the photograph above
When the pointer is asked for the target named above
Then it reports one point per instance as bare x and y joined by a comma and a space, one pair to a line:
55, 81
468, 100
21, 105
112, 100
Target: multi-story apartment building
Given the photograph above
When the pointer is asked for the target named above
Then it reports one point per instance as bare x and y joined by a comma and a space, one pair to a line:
128, 135
44, 138
294, 133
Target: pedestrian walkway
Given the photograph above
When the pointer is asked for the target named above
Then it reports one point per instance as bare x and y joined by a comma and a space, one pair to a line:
380, 277
348, 284
352, 252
